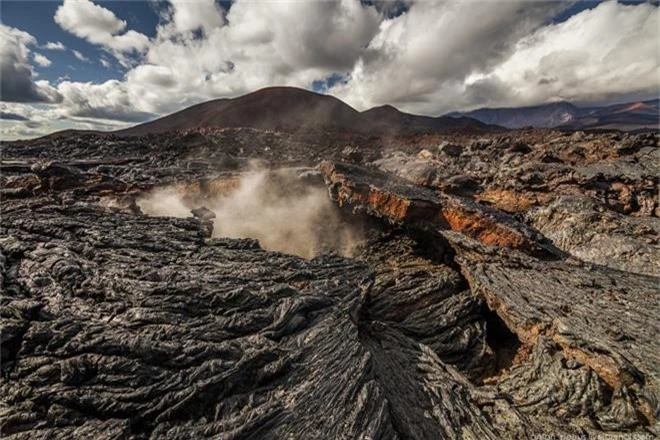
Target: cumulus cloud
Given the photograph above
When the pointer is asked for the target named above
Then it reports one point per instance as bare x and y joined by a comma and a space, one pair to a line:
19, 120
17, 82
187, 16
307, 35
99, 26
606, 53
54, 45
420, 60
505, 54
19, 111
108, 100
433, 58
423, 57
17, 131
87, 20
41, 60
249, 47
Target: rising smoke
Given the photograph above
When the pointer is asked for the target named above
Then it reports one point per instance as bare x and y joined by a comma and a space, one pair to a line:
281, 208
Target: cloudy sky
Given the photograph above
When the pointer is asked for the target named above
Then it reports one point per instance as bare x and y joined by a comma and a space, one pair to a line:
110, 64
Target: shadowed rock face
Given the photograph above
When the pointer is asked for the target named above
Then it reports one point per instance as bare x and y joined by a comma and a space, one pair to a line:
454, 319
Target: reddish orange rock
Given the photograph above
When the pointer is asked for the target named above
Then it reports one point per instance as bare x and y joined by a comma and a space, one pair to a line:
386, 196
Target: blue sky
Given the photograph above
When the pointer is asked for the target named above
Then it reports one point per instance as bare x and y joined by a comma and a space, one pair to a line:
36, 17
582, 5
141, 59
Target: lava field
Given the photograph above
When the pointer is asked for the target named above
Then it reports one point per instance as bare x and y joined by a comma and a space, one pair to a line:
502, 285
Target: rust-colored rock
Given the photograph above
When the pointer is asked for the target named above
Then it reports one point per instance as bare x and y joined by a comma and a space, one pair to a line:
373, 193
386, 196
507, 200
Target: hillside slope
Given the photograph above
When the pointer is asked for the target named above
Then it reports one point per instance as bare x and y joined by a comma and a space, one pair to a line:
291, 109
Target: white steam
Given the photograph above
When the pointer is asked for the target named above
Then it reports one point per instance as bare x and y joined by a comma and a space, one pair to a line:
278, 208
164, 202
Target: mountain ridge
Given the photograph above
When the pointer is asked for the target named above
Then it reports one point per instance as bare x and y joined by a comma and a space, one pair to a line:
566, 115
291, 109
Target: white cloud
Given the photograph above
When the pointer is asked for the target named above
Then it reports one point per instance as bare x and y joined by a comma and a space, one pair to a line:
435, 57
87, 20
29, 121
80, 56
187, 16
11, 131
100, 26
17, 82
54, 46
105, 63
41, 60
419, 60
19, 110
24, 120
273, 43
604, 53
304, 35
504, 54
108, 101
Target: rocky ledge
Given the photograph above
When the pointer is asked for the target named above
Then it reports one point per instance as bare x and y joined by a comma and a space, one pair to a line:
488, 297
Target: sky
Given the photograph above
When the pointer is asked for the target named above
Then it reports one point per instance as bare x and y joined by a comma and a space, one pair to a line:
105, 65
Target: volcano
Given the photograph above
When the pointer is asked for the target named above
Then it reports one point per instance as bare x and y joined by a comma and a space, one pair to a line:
290, 109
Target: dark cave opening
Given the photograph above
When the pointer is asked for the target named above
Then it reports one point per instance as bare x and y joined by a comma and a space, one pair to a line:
504, 343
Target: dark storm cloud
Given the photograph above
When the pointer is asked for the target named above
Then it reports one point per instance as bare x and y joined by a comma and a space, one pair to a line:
112, 114
17, 85
16, 80
12, 116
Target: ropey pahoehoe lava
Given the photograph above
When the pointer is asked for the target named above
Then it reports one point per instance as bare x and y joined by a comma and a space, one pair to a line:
450, 280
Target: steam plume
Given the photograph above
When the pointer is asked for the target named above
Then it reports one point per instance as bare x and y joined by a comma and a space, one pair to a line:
284, 211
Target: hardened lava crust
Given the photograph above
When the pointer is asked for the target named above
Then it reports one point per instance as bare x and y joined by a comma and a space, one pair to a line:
505, 285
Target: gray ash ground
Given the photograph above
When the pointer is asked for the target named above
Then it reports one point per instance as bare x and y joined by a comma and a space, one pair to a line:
503, 286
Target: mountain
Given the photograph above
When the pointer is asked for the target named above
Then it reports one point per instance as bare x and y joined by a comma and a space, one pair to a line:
389, 120
291, 109
627, 116
546, 115
276, 108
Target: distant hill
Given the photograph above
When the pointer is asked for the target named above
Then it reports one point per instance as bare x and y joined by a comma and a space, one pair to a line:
290, 109
546, 115
389, 120
628, 116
